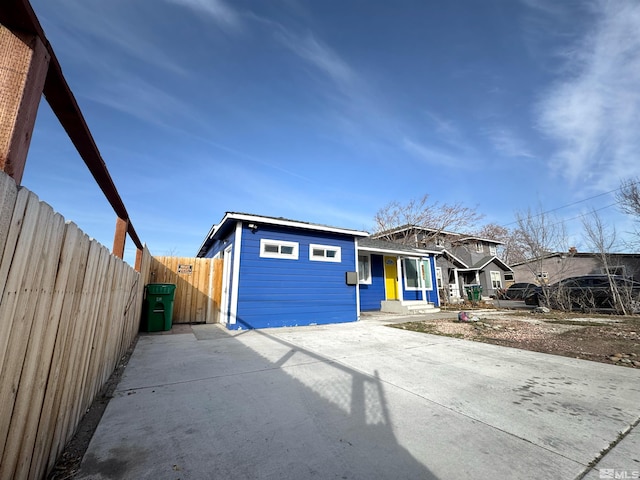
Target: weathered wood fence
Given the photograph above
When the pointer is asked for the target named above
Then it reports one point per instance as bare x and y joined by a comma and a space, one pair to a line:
198, 286
68, 312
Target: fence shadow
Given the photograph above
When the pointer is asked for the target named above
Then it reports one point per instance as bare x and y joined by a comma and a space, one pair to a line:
246, 405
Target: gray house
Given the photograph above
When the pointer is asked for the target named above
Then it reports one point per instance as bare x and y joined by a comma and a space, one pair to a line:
557, 266
462, 260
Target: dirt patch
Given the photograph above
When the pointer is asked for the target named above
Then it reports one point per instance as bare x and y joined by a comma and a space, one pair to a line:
601, 338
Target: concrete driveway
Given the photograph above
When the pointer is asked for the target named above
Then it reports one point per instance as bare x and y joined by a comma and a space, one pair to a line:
361, 401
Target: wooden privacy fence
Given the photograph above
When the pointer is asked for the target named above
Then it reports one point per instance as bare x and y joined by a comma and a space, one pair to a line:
198, 286
68, 312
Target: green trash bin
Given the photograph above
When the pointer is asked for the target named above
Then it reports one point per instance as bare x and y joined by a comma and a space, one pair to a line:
474, 292
157, 315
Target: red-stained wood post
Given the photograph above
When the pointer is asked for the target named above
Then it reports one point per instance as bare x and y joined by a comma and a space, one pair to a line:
138, 265
24, 62
120, 237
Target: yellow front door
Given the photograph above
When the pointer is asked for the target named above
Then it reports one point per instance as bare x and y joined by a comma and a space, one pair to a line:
391, 278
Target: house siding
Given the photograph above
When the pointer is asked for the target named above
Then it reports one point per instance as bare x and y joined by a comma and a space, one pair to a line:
371, 295
276, 292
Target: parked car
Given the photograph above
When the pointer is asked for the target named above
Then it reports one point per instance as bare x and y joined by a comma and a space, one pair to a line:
517, 291
587, 292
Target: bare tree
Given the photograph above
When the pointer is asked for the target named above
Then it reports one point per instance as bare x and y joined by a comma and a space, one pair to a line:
396, 221
511, 250
539, 234
629, 196
602, 239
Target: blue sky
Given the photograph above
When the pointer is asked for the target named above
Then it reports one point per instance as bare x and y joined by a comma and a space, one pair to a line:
326, 110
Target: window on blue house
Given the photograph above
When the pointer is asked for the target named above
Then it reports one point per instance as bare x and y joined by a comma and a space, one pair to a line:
417, 274
411, 277
325, 253
364, 269
278, 249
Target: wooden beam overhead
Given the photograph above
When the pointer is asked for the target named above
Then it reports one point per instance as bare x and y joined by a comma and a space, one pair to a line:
18, 16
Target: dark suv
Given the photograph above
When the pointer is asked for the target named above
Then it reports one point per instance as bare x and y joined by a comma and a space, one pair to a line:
588, 292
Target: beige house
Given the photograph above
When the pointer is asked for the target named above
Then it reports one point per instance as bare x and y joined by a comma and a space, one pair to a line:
559, 265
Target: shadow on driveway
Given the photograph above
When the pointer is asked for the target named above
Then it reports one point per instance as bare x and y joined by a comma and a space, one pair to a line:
244, 405
355, 401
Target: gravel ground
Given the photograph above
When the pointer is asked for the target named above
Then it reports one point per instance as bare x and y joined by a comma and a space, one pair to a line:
601, 338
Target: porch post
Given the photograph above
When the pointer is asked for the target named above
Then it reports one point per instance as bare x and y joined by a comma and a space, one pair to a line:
399, 279
24, 62
423, 279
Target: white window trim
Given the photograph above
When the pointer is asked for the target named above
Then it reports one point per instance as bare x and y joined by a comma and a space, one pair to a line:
439, 282
493, 273
493, 250
368, 280
418, 276
479, 247
542, 275
279, 255
324, 258
427, 273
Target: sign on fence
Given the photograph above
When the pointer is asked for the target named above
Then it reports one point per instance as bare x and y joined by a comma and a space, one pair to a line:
184, 269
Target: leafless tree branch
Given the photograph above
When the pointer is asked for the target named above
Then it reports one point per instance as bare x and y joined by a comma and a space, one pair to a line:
419, 212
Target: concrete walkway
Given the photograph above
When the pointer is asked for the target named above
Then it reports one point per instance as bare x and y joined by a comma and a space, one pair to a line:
361, 401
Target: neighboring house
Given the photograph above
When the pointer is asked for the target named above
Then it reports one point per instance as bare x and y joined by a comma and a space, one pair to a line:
560, 265
461, 260
279, 272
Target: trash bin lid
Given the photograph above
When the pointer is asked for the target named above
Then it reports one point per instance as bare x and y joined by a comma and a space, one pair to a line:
160, 288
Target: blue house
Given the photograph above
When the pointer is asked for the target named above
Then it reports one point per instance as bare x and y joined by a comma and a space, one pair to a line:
279, 272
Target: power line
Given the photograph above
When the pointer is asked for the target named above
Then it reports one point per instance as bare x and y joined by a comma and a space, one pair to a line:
584, 214
577, 202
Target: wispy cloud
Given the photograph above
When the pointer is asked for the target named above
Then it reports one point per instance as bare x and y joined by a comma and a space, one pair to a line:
321, 56
507, 143
112, 25
593, 111
429, 154
445, 128
219, 11
141, 99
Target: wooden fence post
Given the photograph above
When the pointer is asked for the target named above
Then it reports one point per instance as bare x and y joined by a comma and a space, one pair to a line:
24, 62
138, 265
120, 237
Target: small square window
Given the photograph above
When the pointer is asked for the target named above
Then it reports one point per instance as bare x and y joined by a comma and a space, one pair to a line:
325, 253
278, 249
270, 248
